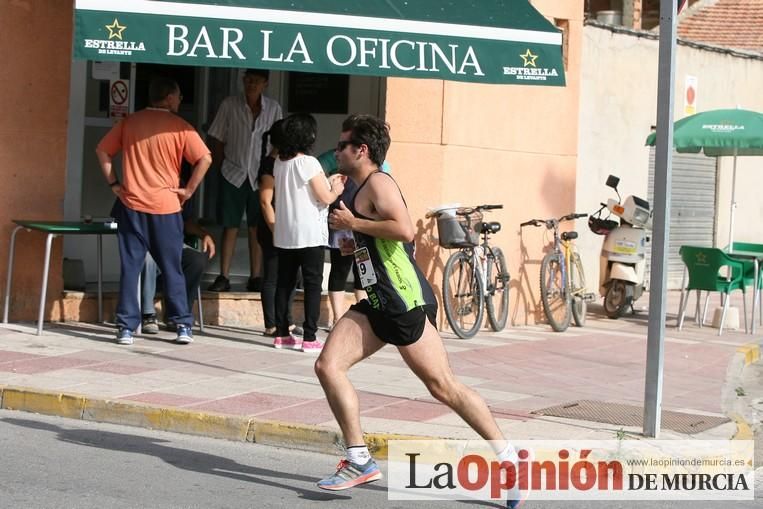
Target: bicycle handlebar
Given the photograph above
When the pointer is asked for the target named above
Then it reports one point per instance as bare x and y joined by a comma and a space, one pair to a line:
570, 217
552, 223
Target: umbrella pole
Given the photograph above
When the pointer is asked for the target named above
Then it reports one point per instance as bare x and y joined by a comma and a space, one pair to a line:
733, 204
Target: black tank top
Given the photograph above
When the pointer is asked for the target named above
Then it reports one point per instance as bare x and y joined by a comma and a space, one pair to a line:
388, 270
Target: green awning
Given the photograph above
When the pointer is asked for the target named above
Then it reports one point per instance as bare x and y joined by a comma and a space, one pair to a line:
484, 41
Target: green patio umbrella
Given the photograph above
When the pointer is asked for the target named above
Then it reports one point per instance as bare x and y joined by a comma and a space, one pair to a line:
732, 132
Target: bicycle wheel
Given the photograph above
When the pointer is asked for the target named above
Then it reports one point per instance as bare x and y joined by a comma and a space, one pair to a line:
462, 295
497, 291
577, 290
553, 294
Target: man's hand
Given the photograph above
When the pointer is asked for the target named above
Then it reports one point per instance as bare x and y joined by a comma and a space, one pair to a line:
208, 245
183, 194
341, 218
117, 190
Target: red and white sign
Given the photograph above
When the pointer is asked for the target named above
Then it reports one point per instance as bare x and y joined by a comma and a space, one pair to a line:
690, 95
119, 95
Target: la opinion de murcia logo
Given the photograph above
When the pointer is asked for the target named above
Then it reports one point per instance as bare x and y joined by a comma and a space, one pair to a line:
530, 70
115, 44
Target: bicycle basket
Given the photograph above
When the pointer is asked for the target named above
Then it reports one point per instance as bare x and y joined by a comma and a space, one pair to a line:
601, 226
458, 231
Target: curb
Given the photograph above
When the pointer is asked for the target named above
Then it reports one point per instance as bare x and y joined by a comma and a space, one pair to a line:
750, 354
179, 420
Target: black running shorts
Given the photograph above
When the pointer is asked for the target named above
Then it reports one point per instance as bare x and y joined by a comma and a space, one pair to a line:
398, 330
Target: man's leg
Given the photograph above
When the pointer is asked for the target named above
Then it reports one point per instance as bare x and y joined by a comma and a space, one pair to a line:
148, 286
194, 263
428, 359
167, 249
231, 206
350, 341
230, 235
132, 255
148, 295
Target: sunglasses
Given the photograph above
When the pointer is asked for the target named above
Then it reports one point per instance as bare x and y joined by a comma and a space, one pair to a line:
343, 145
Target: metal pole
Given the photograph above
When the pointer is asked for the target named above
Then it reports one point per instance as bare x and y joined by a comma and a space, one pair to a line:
44, 289
100, 278
733, 204
661, 229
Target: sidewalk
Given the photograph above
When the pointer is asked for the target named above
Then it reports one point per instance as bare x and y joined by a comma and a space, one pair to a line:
231, 383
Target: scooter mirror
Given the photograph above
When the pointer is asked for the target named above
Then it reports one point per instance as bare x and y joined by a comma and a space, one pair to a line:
612, 182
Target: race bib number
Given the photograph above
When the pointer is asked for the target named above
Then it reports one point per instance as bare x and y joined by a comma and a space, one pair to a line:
365, 268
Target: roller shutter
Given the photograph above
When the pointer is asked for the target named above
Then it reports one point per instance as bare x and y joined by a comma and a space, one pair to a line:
692, 207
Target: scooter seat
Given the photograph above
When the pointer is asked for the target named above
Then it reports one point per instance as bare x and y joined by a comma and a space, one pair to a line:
569, 235
492, 227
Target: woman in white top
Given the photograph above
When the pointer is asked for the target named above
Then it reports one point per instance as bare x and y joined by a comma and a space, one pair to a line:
302, 196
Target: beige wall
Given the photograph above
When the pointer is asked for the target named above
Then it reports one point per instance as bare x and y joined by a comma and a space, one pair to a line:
35, 48
618, 107
475, 144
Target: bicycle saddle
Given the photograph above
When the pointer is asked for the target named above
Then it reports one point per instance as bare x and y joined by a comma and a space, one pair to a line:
492, 227
569, 235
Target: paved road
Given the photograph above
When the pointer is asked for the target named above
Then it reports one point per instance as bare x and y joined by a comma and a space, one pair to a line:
49, 462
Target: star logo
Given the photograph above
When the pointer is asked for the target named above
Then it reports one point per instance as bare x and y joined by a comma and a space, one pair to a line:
529, 58
701, 259
115, 30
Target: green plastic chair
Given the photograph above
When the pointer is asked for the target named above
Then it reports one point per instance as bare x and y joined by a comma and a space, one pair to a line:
703, 265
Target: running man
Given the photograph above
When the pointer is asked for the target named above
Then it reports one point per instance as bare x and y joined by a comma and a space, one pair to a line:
400, 309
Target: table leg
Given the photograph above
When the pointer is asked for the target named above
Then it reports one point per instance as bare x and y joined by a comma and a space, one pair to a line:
755, 293
9, 274
44, 290
100, 279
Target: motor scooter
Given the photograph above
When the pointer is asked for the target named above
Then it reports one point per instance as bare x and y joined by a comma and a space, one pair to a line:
623, 253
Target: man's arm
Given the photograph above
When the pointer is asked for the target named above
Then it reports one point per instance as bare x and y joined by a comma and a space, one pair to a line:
107, 167
199, 170
392, 220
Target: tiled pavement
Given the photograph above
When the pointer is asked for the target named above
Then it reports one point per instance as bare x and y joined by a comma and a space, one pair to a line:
521, 369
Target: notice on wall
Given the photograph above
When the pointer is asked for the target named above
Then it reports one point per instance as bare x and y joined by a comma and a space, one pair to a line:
105, 70
690, 95
119, 95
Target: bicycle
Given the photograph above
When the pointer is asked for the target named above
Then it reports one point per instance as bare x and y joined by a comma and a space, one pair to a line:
562, 280
475, 276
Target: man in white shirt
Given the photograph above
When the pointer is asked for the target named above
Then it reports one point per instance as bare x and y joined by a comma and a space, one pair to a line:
237, 137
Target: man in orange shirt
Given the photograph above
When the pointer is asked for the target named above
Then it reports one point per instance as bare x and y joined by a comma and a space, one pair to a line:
153, 142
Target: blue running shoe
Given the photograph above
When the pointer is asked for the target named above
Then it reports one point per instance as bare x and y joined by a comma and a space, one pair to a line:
349, 474
124, 336
185, 335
